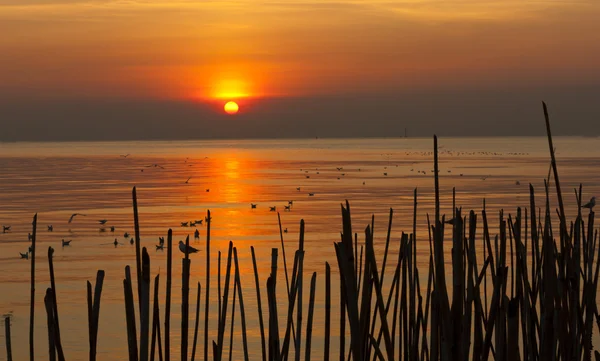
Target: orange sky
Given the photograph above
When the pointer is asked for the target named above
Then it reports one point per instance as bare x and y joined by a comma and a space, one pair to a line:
228, 49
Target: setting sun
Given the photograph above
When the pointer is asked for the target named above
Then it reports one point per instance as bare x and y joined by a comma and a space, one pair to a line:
231, 108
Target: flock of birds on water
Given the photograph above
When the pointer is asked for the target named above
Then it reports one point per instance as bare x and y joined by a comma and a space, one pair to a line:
159, 247
341, 173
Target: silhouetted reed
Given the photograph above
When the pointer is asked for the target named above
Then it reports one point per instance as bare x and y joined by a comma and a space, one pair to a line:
546, 312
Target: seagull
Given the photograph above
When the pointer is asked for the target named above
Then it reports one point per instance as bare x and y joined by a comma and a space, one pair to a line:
198, 221
160, 247
75, 214
112, 228
285, 230
188, 180
190, 249
126, 235
116, 243
385, 174
102, 221
287, 208
161, 240
298, 189
24, 255
291, 203
30, 249
50, 228
208, 190
252, 206
273, 209
197, 235
131, 241
124, 155
5, 228
66, 243
184, 224
518, 183
590, 204
311, 194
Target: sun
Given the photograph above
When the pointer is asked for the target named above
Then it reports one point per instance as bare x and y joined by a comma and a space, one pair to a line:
231, 108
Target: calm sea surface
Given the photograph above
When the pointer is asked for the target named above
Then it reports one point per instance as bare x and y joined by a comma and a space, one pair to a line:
56, 180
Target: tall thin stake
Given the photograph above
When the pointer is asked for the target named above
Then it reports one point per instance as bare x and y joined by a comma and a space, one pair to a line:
207, 286
32, 293
238, 282
197, 321
168, 297
145, 310
259, 304
7, 338
138, 257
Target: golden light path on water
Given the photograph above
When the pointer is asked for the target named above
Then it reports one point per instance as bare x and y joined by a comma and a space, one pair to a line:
58, 179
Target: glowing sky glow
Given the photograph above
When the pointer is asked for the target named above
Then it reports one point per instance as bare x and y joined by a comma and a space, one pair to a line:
240, 48
449, 65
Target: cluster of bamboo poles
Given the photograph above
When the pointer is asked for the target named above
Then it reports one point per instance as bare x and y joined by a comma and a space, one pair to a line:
543, 309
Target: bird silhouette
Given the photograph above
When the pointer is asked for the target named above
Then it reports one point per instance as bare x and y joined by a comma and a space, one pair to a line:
74, 215
190, 249
591, 204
